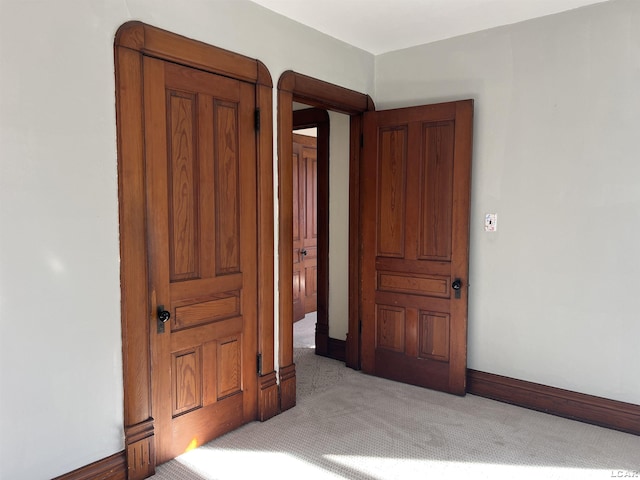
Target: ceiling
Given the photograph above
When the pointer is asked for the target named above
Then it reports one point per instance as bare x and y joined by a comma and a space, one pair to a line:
380, 26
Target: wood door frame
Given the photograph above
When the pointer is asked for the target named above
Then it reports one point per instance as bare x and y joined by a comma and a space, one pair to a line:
319, 118
297, 87
133, 41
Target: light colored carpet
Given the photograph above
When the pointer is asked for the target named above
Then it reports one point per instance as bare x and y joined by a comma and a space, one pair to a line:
304, 331
347, 425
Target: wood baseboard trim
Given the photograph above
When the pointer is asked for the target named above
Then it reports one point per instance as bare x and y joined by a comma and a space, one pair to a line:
337, 349
603, 412
287, 387
322, 339
267, 396
140, 452
110, 468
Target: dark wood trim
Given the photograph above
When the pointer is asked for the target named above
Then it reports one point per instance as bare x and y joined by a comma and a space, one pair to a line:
285, 233
293, 86
321, 94
268, 396
158, 43
268, 388
110, 468
140, 450
322, 338
337, 349
136, 354
287, 387
556, 401
353, 343
264, 79
319, 118
133, 41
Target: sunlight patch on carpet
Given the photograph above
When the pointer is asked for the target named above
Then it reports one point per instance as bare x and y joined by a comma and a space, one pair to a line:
229, 464
237, 464
403, 468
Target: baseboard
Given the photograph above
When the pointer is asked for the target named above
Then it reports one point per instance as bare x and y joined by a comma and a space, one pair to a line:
287, 387
141, 447
267, 396
556, 401
110, 468
337, 349
322, 339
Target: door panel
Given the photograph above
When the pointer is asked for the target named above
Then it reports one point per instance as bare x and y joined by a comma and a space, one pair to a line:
201, 209
391, 191
299, 213
436, 191
310, 241
415, 217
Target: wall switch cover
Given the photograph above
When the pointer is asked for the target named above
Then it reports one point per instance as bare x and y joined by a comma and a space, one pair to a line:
491, 222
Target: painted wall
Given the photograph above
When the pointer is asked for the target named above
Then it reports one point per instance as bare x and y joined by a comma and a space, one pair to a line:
553, 296
339, 226
60, 348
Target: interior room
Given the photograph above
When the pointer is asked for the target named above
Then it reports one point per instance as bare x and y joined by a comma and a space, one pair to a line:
552, 304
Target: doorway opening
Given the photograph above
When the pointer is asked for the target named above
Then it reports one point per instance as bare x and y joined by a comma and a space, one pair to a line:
310, 189
294, 87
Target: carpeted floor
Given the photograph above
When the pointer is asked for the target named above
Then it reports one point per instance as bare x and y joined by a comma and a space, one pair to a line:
347, 425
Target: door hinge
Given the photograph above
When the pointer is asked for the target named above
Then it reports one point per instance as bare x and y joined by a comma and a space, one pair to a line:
256, 118
359, 326
259, 362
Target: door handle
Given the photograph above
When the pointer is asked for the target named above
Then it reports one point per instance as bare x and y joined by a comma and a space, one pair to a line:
457, 285
163, 317
303, 252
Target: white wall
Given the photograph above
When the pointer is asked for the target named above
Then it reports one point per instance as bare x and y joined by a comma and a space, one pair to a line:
60, 350
553, 296
339, 226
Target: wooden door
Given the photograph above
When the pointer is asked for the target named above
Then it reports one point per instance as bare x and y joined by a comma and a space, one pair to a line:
310, 236
305, 225
299, 212
415, 216
201, 214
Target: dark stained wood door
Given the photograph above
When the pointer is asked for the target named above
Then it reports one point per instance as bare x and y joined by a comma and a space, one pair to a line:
201, 213
415, 217
310, 238
305, 225
299, 189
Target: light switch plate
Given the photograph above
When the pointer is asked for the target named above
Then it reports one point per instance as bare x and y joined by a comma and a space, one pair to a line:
491, 222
